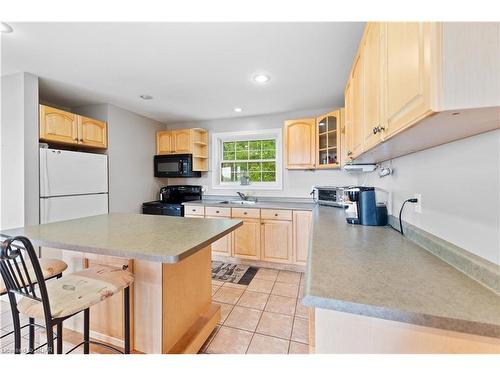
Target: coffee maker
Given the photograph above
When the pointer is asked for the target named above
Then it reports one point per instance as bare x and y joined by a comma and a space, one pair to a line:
362, 208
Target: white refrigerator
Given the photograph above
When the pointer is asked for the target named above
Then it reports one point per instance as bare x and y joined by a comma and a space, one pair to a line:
72, 185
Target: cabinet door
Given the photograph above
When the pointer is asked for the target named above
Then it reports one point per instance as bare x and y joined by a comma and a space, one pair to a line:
163, 142
300, 143
222, 246
301, 232
181, 141
407, 73
372, 86
276, 240
357, 106
348, 128
328, 140
246, 240
92, 133
58, 126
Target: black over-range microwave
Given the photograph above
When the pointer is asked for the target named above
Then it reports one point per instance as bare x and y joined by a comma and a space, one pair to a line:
180, 165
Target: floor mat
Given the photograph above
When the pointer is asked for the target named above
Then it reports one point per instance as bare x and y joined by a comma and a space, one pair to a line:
233, 273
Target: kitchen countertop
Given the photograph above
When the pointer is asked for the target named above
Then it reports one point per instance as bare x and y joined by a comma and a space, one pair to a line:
374, 271
157, 238
275, 205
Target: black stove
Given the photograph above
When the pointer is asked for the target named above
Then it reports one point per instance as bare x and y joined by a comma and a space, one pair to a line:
171, 199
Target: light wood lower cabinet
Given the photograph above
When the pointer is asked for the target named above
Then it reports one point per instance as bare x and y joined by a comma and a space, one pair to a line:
279, 236
301, 231
246, 240
276, 241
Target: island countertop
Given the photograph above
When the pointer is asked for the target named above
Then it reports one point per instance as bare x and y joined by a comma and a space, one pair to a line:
157, 238
374, 271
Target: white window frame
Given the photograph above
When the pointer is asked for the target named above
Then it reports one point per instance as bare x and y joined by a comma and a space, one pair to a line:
219, 138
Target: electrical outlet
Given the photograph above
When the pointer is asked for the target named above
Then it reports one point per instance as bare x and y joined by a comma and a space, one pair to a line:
418, 205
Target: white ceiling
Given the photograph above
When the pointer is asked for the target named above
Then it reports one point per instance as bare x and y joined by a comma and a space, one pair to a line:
193, 70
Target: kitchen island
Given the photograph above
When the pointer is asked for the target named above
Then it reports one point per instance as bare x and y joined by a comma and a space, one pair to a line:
171, 309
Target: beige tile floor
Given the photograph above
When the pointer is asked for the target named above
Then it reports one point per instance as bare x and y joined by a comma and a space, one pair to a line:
265, 317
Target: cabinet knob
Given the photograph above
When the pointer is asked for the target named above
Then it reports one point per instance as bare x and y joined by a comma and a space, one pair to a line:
349, 152
275, 214
244, 213
193, 210
217, 211
375, 130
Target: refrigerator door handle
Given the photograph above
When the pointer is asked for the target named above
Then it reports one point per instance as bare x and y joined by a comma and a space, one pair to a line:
45, 172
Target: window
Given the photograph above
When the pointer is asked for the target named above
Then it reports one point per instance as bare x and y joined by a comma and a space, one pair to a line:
254, 156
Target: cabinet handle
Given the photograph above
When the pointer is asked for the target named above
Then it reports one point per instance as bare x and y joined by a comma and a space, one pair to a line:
375, 130
349, 153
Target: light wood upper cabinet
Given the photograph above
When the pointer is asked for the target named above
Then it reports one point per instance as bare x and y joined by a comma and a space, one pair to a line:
300, 143
348, 124
358, 104
301, 232
408, 73
64, 127
181, 141
92, 133
276, 241
192, 141
328, 140
246, 240
164, 142
373, 124
58, 126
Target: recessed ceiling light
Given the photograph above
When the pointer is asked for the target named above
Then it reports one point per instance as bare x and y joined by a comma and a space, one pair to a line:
261, 78
238, 109
5, 28
146, 97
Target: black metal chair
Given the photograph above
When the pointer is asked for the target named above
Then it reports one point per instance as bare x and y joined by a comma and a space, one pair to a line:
51, 268
60, 299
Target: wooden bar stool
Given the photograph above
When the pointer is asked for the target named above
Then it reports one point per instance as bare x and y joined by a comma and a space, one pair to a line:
51, 268
61, 298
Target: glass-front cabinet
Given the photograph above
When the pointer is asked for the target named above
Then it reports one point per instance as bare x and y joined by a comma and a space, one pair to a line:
328, 133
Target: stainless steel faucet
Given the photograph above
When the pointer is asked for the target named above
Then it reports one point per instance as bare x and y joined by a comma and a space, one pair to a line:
243, 196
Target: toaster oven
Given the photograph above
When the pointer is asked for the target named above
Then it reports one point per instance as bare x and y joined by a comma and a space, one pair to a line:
329, 195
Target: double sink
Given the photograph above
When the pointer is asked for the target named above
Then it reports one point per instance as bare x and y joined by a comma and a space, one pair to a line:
240, 202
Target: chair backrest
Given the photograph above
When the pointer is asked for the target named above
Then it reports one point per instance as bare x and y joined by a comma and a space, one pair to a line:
20, 276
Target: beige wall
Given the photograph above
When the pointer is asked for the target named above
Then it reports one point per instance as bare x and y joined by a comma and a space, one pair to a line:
460, 187
296, 183
131, 147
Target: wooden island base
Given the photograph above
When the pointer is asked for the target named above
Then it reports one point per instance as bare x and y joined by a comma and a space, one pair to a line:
172, 309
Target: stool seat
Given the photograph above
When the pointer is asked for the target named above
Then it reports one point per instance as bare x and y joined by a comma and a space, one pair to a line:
50, 267
78, 291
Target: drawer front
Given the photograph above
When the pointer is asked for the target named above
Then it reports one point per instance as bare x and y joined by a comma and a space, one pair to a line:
276, 214
194, 210
243, 213
218, 211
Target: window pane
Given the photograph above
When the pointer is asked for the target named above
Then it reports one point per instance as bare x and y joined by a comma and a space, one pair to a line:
227, 170
242, 155
268, 176
241, 167
269, 144
255, 145
269, 166
254, 167
255, 176
228, 155
242, 146
268, 154
228, 146
254, 155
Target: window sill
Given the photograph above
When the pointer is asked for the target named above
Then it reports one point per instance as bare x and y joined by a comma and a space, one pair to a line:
247, 187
